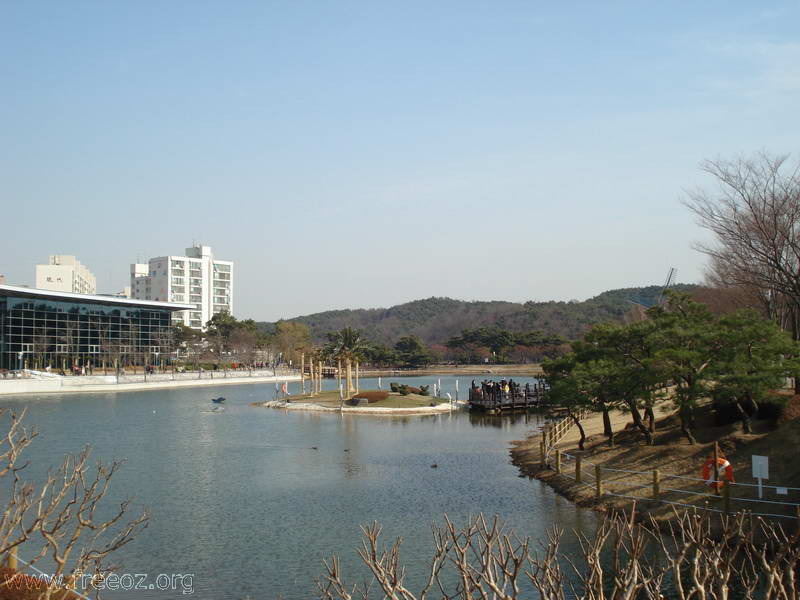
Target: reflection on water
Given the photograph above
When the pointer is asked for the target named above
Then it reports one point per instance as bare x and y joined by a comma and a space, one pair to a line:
508, 419
245, 502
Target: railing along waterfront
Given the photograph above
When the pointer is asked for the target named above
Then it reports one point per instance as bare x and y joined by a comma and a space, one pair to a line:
666, 488
498, 399
205, 374
100, 377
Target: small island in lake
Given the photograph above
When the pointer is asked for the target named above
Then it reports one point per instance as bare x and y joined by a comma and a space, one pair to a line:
406, 400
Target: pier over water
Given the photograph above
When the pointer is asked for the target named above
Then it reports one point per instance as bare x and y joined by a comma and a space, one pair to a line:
495, 396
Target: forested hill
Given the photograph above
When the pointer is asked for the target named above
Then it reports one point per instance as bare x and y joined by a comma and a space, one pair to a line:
435, 320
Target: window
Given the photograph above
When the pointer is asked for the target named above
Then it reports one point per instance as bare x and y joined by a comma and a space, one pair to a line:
94, 349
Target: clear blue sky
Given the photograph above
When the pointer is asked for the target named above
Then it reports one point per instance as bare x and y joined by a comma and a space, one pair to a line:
362, 154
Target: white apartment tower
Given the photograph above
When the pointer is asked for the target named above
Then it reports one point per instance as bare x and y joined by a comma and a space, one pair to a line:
197, 278
64, 273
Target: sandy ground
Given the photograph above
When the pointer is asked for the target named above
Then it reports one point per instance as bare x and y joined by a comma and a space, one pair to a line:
593, 426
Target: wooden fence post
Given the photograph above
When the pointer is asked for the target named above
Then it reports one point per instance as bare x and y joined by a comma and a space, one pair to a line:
542, 454
11, 559
656, 485
578, 469
598, 479
558, 461
726, 491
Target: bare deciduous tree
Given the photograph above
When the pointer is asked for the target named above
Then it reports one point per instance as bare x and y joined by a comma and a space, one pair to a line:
755, 219
60, 519
700, 558
69, 340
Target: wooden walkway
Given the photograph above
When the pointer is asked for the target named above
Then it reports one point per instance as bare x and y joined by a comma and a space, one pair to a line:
496, 402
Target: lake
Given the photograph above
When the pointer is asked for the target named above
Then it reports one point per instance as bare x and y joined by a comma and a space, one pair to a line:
242, 502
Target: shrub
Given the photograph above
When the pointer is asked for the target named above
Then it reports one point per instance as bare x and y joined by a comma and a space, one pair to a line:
423, 390
771, 408
394, 387
403, 389
725, 411
375, 396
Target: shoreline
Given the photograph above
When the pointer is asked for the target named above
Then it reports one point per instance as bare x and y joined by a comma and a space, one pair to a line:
525, 454
669, 475
380, 411
27, 387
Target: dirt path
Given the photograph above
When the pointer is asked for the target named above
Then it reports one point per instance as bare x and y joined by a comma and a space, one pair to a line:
627, 468
593, 426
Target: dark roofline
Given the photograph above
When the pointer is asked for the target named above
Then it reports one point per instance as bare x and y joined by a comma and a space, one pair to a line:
15, 290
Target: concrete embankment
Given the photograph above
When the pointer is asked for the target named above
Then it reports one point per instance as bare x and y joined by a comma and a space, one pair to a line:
108, 383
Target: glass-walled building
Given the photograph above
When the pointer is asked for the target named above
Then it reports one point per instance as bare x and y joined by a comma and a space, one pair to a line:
41, 328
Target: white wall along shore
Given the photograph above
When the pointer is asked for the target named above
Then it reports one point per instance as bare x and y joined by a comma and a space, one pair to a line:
41, 383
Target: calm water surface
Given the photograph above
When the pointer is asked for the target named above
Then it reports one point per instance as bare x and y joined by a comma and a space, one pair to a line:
241, 500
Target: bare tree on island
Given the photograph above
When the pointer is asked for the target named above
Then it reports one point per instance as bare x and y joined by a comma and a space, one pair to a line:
755, 219
59, 520
624, 560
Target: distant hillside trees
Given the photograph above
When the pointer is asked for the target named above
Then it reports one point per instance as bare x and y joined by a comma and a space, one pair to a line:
493, 344
411, 352
436, 320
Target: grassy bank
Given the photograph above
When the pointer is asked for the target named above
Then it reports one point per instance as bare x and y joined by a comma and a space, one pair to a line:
331, 399
627, 467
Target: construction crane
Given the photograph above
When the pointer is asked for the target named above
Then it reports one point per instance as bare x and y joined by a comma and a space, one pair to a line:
645, 304
667, 284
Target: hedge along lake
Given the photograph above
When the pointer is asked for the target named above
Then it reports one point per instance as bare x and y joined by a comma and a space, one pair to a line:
242, 502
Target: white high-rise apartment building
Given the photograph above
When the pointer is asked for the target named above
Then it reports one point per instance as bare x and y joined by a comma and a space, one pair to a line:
64, 273
197, 278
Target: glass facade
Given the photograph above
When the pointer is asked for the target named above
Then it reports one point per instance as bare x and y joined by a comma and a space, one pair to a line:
36, 332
